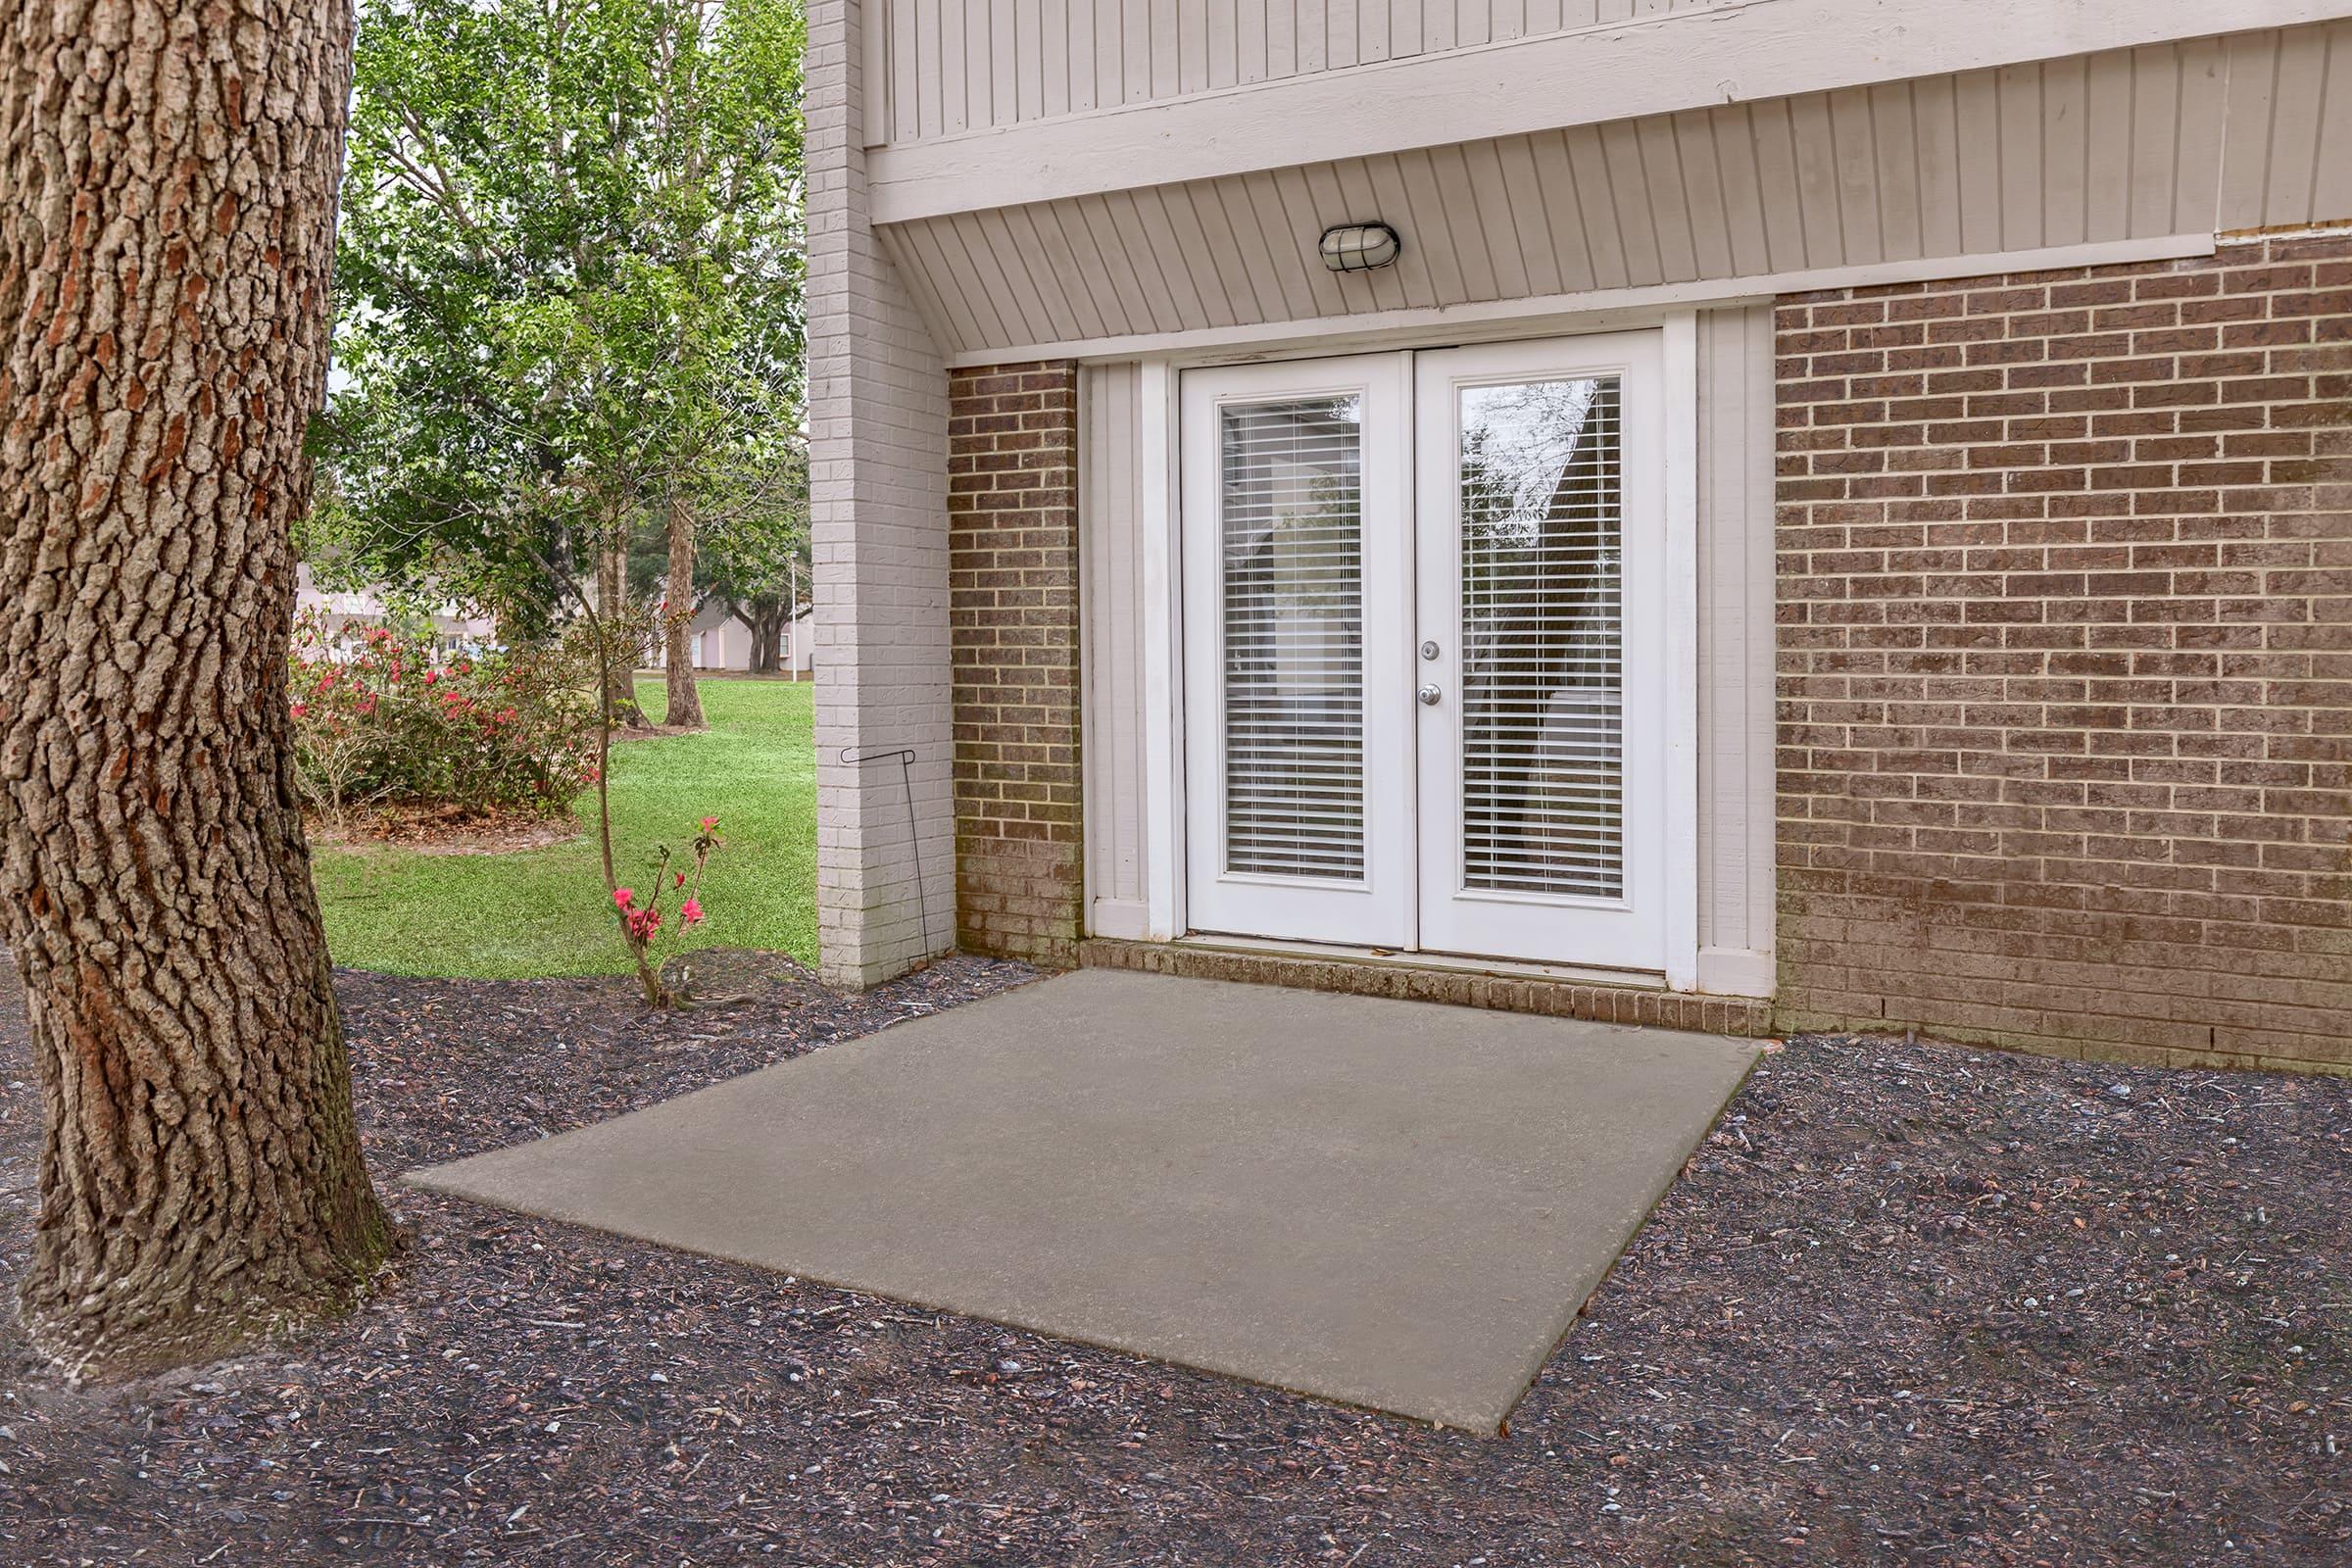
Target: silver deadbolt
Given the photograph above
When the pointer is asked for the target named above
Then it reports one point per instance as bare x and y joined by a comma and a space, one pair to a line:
1429, 695
1429, 649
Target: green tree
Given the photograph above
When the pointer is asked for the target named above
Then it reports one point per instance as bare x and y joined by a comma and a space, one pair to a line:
757, 562
569, 272
572, 283
721, 285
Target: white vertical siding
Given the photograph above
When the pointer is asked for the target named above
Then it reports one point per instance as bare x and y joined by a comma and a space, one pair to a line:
1734, 648
951, 66
2253, 129
1111, 605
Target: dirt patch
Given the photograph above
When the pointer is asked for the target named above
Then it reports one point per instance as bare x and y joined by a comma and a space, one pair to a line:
444, 830
1907, 1304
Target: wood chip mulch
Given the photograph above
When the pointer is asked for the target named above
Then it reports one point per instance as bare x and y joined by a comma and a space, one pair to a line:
1910, 1304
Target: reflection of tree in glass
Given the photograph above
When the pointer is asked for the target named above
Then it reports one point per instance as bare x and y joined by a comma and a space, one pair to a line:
1541, 655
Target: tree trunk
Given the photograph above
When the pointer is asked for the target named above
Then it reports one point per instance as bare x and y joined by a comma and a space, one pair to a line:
685, 709
164, 244
763, 625
620, 668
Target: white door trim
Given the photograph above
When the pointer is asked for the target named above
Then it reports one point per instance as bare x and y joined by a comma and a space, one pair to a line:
1161, 527
1678, 431
1167, 767
1378, 908
1651, 926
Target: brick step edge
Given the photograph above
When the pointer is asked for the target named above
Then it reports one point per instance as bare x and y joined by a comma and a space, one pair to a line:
1554, 998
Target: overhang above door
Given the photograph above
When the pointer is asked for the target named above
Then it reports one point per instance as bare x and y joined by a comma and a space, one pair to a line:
2120, 155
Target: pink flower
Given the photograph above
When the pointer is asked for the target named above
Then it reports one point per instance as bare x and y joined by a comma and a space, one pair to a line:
681, 879
431, 676
710, 822
691, 912
621, 896
300, 710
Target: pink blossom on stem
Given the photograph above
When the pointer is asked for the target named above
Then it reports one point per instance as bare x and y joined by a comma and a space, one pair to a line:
691, 912
621, 896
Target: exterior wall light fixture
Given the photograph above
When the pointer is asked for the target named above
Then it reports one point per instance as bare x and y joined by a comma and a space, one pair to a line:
1359, 247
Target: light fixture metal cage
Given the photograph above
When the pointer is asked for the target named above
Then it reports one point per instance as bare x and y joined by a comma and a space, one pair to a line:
1359, 247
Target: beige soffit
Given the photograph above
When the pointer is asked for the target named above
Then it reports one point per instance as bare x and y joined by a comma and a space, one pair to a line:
2139, 153
943, 68
1729, 52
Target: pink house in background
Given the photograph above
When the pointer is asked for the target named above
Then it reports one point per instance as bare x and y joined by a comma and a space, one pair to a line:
343, 607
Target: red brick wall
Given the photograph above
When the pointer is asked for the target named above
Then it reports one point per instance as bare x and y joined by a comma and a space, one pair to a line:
1012, 522
2065, 659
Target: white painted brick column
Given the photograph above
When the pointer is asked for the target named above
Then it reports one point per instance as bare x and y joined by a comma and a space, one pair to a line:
878, 443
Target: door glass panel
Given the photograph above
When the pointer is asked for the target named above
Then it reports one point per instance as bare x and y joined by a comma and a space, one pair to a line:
1541, 641
1291, 483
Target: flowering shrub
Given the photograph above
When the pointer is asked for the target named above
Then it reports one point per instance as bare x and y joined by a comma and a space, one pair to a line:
642, 919
380, 716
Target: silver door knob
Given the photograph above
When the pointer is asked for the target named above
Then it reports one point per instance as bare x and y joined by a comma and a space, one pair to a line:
1429, 695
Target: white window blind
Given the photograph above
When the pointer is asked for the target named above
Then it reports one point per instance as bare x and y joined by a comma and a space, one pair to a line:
1543, 639
1292, 541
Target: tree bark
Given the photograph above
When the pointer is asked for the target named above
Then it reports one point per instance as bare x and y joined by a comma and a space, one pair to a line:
165, 245
766, 620
685, 705
620, 665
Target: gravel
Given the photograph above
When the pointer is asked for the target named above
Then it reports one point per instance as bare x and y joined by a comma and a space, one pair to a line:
1908, 1304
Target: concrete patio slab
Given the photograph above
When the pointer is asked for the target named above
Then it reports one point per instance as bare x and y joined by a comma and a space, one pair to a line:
1388, 1204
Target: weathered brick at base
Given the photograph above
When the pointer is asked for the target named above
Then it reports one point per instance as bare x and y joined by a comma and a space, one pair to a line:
2065, 666
1012, 522
1410, 982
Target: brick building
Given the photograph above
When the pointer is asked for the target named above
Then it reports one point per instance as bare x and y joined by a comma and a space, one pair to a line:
1752, 514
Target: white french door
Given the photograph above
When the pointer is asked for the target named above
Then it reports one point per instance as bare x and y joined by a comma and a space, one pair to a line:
1296, 483
1426, 624
1541, 544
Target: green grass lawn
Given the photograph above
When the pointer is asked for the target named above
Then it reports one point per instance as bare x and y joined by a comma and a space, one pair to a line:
545, 911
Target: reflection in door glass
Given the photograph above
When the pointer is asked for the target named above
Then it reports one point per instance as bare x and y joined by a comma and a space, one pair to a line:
1293, 586
1543, 642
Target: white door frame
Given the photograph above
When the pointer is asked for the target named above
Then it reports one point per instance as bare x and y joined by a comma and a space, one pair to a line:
1377, 908
1629, 930
1165, 851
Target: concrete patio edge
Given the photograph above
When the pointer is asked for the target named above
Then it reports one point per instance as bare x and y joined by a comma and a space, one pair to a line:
1391, 1204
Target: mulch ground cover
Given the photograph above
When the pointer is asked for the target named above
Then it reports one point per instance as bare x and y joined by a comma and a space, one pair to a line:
443, 829
1909, 1304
